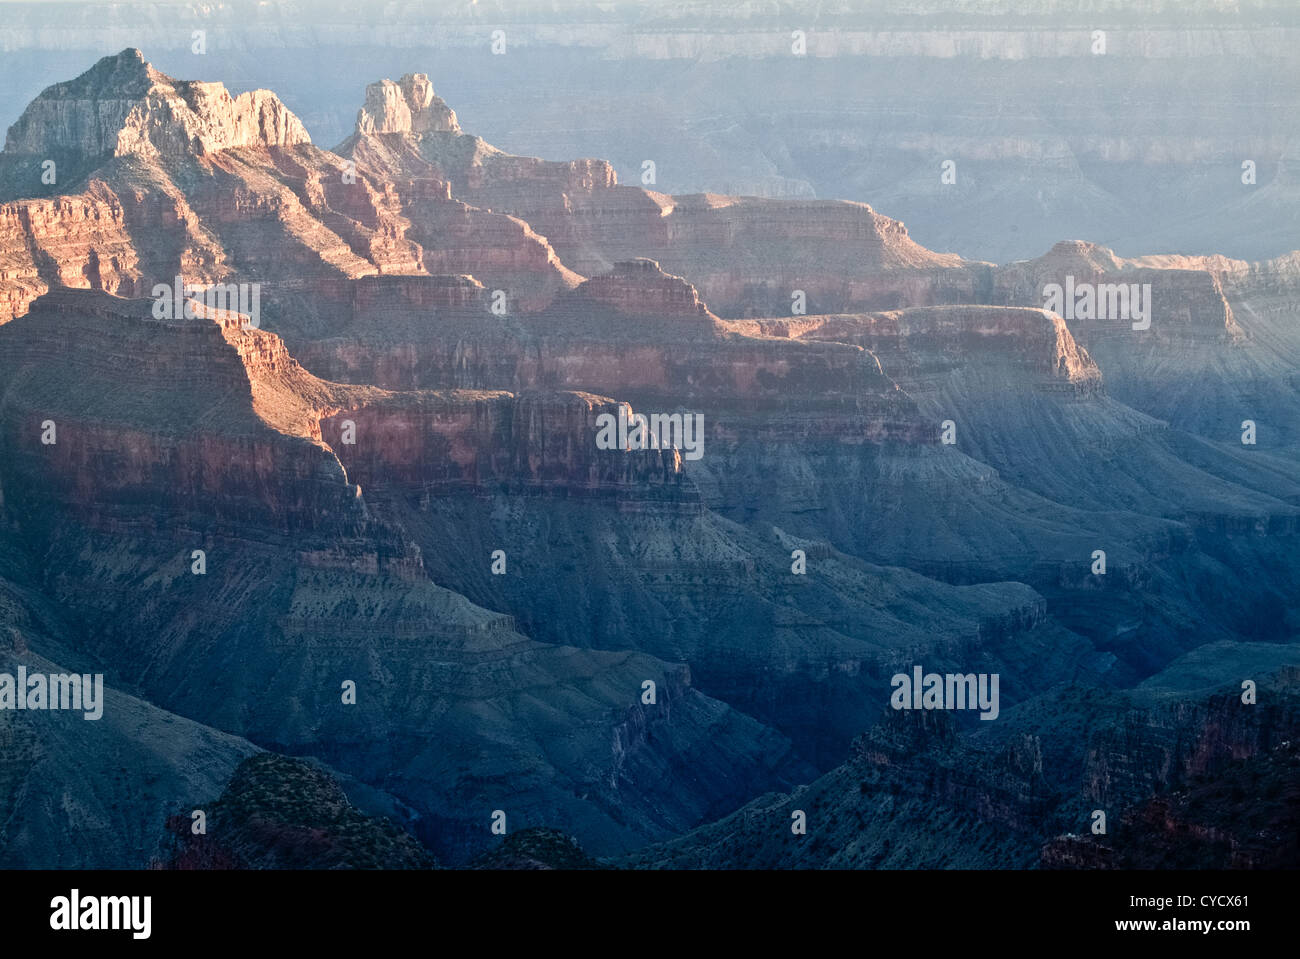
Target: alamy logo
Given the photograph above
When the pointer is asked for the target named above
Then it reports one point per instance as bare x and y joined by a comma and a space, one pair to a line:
658, 431
74, 912
1100, 301
53, 691
924, 690
176, 301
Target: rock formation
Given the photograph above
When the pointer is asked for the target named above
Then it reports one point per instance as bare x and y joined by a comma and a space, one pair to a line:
408, 106
123, 106
746, 255
387, 473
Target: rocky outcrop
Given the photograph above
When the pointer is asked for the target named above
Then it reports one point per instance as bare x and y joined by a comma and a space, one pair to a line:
282, 813
1244, 818
427, 294
536, 849
1162, 749
1204, 785
1005, 790
404, 129
190, 422
123, 106
407, 106
72, 241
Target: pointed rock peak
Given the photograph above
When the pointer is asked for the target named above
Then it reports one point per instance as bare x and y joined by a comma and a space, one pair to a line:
124, 74
407, 106
122, 105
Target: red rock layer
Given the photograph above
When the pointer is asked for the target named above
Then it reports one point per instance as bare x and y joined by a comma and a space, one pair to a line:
637, 333
71, 241
225, 422
435, 442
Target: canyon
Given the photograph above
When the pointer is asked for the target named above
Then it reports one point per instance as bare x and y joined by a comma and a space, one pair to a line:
394, 480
